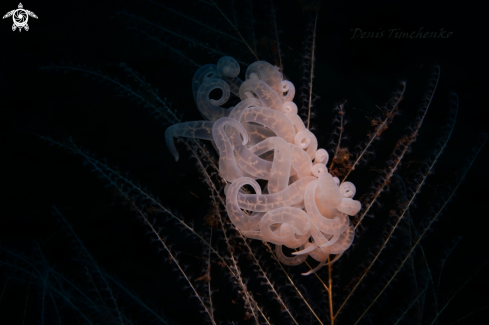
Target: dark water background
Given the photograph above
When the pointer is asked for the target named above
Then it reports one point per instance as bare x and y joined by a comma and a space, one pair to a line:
36, 176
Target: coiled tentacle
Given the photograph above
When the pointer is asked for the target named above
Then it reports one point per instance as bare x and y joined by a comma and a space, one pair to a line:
291, 261
293, 194
275, 121
267, 73
196, 130
288, 89
204, 72
293, 227
240, 219
301, 206
210, 108
262, 91
328, 226
307, 141
278, 179
228, 168
228, 70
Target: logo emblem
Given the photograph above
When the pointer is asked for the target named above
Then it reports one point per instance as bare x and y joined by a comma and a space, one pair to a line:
20, 17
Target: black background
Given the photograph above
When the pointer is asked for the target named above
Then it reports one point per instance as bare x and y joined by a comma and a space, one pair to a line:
35, 176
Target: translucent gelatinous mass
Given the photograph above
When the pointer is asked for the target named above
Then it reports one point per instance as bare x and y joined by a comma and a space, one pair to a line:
301, 206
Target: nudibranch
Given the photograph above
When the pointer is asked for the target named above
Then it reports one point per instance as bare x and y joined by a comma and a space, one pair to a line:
302, 206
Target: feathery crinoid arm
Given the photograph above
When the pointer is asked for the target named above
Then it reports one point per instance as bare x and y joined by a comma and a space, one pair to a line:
30, 13
8, 14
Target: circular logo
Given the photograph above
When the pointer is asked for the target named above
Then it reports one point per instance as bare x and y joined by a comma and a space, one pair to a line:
20, 17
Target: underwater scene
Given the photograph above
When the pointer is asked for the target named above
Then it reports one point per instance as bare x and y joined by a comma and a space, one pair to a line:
243, 162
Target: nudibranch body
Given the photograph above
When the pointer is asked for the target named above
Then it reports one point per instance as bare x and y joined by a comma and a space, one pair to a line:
301, 206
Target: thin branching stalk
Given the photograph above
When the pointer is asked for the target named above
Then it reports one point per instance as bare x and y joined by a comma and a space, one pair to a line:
54, 284
311, 69
249, 300
378, 131
277, 39
330, 293
173, 258
214, 30
468, 315
456, 292
100, 167
405, 144
166, 30
426, 230
214, 4
217, 195
444, 261
267, 245
100, 273
209, 288
410, 306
